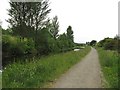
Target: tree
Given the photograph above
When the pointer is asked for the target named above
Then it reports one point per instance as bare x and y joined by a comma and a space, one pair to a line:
87, 43
93, 42
28, 17
41, 42
70, 33
0, 47
117, 37
70, 36
101, 43
63, 42
0, 35
55, 27
110, 43
0, 24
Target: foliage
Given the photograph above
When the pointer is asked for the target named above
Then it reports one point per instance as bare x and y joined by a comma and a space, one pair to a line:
0, 24
0, 80
6, 32
38, 73
109, 64
0, 36
109, 57
93, 42
12, 47
42, 44
63, 42
28, 17
70, 37
70, 33
33, 33
110, 44
55, 27
0, 52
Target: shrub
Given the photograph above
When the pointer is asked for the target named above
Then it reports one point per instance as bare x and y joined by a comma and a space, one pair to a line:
12, 47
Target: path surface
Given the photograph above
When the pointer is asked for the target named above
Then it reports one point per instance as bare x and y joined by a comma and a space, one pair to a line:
85, 74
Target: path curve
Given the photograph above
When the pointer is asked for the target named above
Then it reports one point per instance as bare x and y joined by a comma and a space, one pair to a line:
85, 74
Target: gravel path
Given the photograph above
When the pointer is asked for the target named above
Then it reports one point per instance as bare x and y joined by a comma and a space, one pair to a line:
85, 74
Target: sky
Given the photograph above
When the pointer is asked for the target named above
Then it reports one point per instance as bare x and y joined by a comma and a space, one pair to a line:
90, 19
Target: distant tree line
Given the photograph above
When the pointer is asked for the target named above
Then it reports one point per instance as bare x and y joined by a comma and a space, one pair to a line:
32, 33
92, 43
110, 43
107, 43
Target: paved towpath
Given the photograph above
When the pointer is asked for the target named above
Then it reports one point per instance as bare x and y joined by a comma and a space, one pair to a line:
85, 74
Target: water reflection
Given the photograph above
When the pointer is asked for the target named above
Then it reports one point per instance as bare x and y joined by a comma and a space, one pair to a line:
76, 49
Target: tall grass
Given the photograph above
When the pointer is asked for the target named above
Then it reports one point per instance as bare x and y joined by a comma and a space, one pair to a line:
39, 73
0, 80
109, 64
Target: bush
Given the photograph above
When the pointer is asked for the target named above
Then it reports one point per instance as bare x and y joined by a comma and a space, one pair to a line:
110, 44
53, 45
46, 43
12, 47
30, 47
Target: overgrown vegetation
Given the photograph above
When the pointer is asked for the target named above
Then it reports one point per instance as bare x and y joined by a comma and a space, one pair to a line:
109, 64
0, 56
38, 73
0, 48
109, 54
110, 43
32, 33
0, 80
33, 52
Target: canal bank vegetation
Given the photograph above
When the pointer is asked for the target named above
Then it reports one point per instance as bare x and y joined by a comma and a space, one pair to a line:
42, 72
109, 55
32, 33
33, 51
0, 80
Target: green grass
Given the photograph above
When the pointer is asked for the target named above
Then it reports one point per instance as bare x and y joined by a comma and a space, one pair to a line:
109, 65
40, 73
0, 80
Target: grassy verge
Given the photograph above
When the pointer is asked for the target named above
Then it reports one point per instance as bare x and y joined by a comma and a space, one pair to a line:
0, 80
109, 65
38, 73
